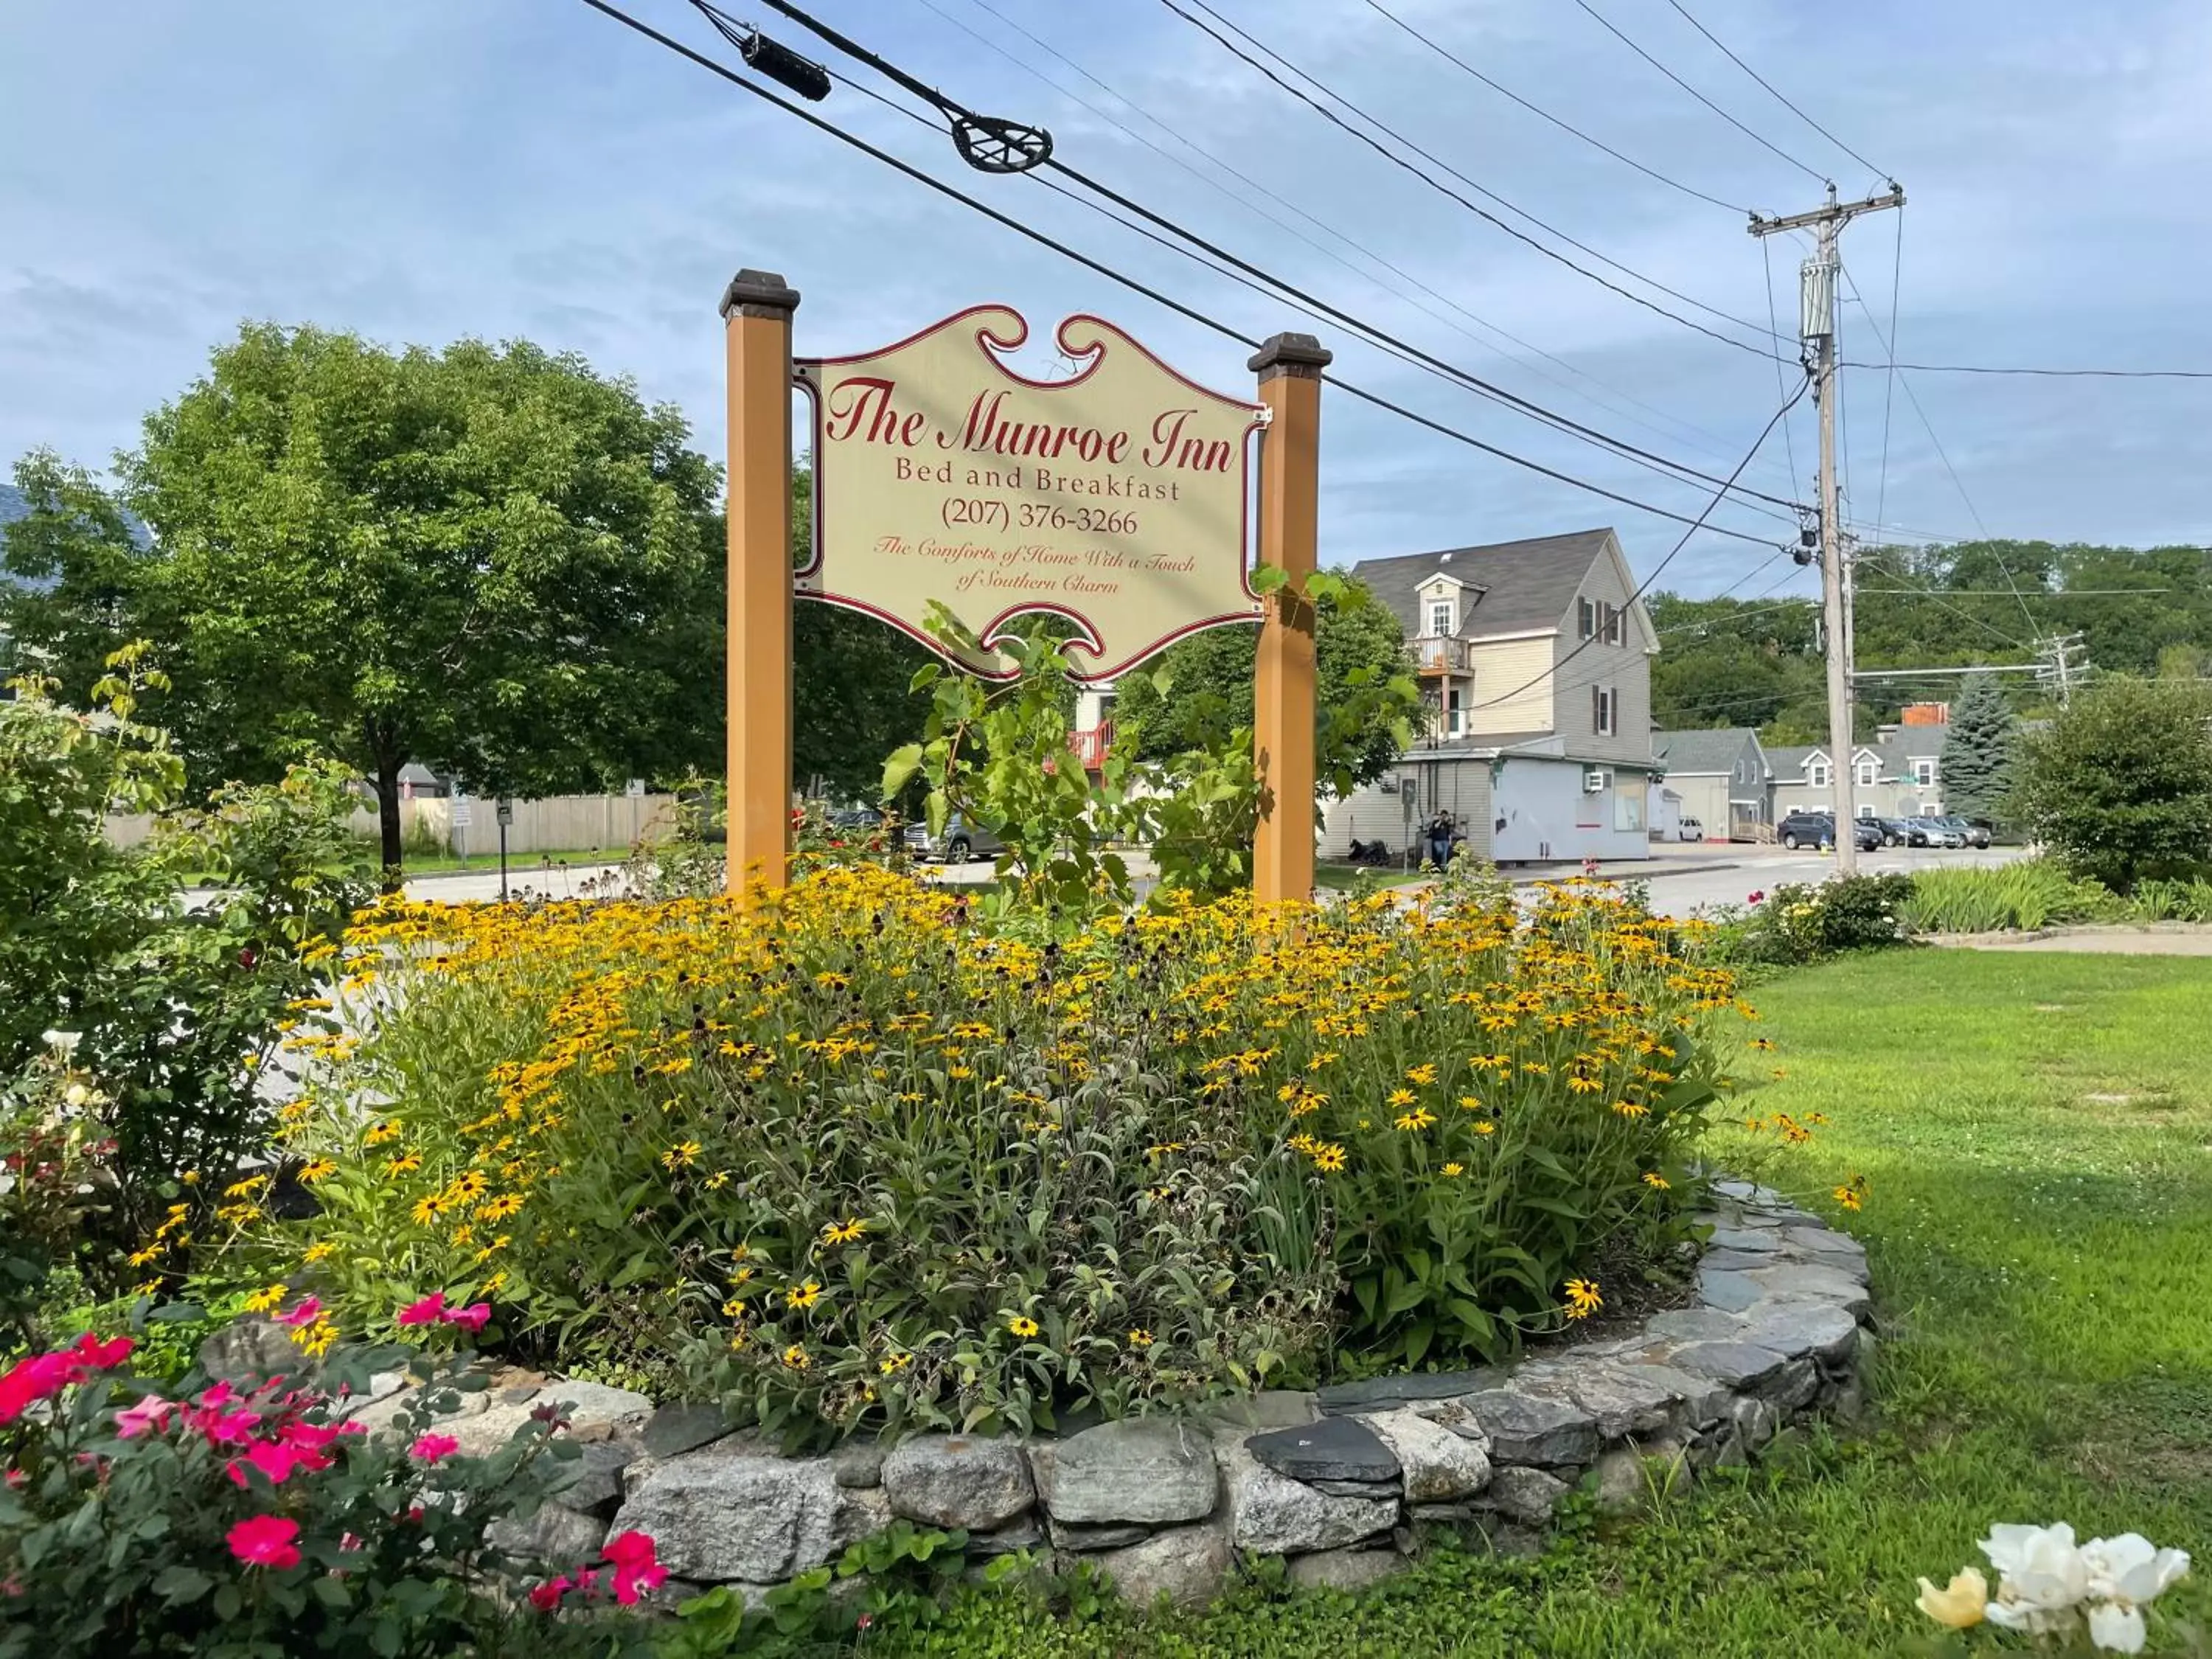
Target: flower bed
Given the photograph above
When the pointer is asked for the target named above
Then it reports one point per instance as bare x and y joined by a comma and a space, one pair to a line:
856, 1159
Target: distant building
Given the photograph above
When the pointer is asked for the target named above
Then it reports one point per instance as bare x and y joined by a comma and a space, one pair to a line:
1899, 775
1722, 778
1533, 659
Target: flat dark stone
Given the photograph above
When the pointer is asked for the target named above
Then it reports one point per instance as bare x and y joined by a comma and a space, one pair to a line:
1078, 1535
1738, 1365
682, 1427
1360, 1488
1736, 1262
1731, 1292
1381, 1393
1333, 1448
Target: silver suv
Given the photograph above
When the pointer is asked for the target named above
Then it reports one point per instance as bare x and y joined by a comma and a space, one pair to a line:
961, 842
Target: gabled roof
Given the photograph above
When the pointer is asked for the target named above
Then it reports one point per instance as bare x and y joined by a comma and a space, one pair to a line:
1789, 761
1526, 585
1694, 752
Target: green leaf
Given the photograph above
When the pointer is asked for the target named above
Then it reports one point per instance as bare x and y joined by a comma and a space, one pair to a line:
1267, 578
179, 1582
900, 765
925, 675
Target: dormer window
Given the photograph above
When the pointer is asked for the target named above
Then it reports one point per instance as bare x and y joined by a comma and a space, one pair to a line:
1818, 774
1443, 619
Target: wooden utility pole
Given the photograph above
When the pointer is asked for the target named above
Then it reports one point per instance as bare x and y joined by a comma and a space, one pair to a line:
1817, 324
1289, 367
756, 310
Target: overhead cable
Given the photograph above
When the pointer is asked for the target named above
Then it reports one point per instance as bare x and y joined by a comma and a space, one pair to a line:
1770, 86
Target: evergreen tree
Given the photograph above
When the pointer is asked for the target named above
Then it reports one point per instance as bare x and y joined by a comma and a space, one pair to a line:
1978, 754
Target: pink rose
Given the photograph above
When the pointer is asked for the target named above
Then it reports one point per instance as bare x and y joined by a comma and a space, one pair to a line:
471, 1318
428, 1311
631, 1555
265, 1540
38, 1377
306, 1314
430, 1448
149, 1416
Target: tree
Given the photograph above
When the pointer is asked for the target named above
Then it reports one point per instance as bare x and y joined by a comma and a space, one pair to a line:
491, 560
2120, 782
74, 554
1978, 753
1358, 646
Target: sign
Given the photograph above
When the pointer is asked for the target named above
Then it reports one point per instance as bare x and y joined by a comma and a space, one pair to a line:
460, 819
1114, 498
506, 811
636, 788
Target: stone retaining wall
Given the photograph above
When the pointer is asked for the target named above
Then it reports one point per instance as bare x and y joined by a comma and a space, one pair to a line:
1344, 1483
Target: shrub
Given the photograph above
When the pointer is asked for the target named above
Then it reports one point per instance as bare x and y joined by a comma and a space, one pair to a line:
850, 1158
1801, 922
2031, 894
250, 1520
2119, 784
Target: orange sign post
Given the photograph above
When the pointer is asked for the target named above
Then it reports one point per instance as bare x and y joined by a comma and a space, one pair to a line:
756, 329
1289, 367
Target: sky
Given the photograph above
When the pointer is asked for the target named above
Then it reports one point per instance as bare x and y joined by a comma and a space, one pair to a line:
423, 170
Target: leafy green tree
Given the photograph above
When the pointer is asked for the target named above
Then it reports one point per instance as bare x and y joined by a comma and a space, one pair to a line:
74, 560
2120, 783
490, 560
1207, 691
1978, 756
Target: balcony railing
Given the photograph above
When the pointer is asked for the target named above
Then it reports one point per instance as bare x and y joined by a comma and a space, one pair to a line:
1090, 746
1441, 656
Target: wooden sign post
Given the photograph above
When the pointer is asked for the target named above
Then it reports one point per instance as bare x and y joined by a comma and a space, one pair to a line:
756, 327
1289, 367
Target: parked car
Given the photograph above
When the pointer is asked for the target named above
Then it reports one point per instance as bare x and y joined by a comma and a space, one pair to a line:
1902, 832
1818, 830
1939, 832
1689, 829
857, 817
961, 842
1970, 833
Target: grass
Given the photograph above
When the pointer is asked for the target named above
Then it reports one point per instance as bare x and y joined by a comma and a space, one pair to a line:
2037, 1137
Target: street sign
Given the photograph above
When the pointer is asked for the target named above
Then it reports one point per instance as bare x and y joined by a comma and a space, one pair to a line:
505, 813
1114, 498
636, 788
461, 804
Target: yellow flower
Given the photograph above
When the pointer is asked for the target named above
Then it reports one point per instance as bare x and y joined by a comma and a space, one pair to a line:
501, 1208
717, 1181
1657, 1183
380, 1133
1582, 1299
1455, 1169
318, 1252
892, 1364
796, 1358
1423, 1075
315, 1341
317, 1171
805, 1296
1850, 1197
681, 1153
734, 1308
1418, 1119
427, 1210
844, 1235
1328, 1158
1022, 1325
406, 1166
739, 1337
1630, 1108
191, 1177
1583, 1084
1400, 1097
1485, 1128
1140, 1337
1470, 1102
151, 1253
263, 1301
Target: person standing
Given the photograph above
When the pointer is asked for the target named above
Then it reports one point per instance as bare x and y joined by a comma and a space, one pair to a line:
1440, 840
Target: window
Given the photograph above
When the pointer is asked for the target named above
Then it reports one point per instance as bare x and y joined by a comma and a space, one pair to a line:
1455, 713
1586, 619
1923, 770
1605, 708
1865, 809
1609, 616
1441, 623
1868, 773
1819, 774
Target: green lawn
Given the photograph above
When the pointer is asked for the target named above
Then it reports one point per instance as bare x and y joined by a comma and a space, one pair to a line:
2043, 1263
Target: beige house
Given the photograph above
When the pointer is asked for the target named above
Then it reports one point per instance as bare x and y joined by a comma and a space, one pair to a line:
1535, 664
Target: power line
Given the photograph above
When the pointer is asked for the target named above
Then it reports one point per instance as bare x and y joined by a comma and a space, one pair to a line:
1642, 588
1534, 109
1479, 211
1693, 432
1313, 304
1769, 86
1754, 138
1190, 312
2052, 374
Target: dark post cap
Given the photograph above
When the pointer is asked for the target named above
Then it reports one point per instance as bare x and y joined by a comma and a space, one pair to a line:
759, 294
1299, 355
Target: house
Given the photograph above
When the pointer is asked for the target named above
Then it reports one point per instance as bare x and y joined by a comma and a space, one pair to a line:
1897, 775
1721, 778
1533, 660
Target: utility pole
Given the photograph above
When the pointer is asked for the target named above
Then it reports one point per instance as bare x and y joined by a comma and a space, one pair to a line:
1817, 324
2061, 648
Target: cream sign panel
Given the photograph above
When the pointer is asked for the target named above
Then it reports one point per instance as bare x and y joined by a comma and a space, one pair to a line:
1114, 498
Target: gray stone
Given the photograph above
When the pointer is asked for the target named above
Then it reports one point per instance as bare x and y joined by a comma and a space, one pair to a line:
1524, 1494
1626, 1399
250, 1350
1349, 1570
860, 1512
1186, 1564
1270, 1408
587, 1404
1819, 1329
1442, 1514
1381, 1393
1695, 1325
1702, 1401
1075, 1536
959, 1480
1437, 1465
1022, 1533
1451, 1414
1823, 1241
1756, 1422
1153, 1469
1525, 1429
1738, 1364
1271, 1514
1809, 1282
1628, 1477
556, 1535
1745, 1238
1849, 1406
859, 1462
682, 1427
1390, 1489
1333, 1448
728, 1512
1793, 1387
1730, 1292
1735, 1262
597, 1484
